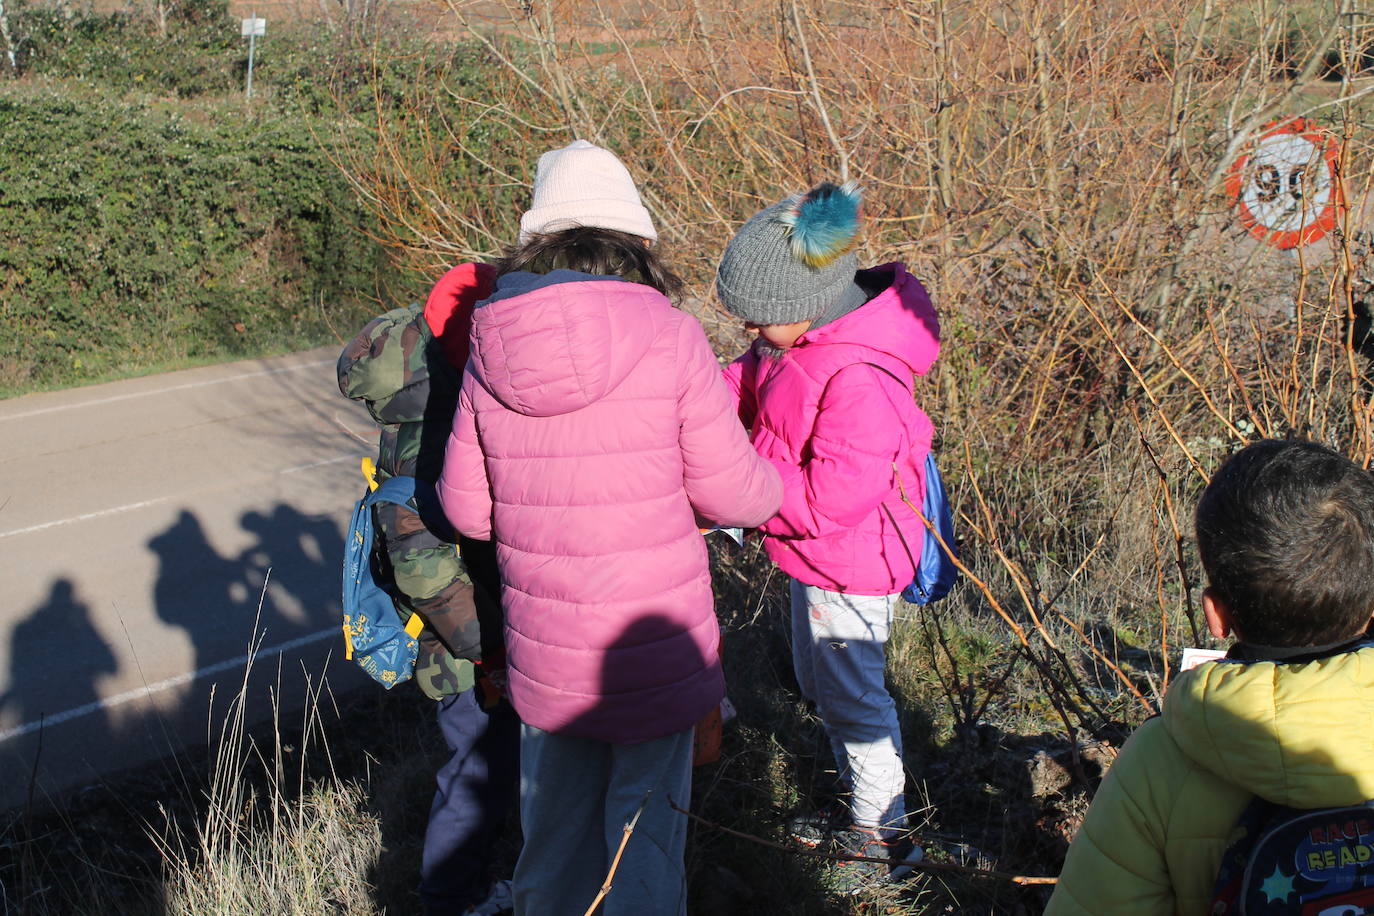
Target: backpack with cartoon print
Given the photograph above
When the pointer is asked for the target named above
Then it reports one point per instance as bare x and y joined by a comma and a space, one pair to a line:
1304, 863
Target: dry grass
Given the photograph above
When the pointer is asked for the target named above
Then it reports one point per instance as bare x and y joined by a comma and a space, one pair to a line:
271, 841
314, 856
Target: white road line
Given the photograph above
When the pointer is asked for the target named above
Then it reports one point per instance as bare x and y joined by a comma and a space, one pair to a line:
29, 728
143, 394
319, 464
162, 499
84, 518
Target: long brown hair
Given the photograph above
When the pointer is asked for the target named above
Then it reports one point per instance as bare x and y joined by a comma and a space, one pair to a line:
592, 250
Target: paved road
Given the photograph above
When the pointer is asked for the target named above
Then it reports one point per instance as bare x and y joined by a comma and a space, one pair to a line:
150, 530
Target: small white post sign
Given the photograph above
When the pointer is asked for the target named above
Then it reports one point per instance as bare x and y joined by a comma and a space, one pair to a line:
252, 28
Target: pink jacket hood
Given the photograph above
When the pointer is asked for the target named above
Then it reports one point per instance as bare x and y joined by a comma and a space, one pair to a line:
835, 415
898, 322
590, 339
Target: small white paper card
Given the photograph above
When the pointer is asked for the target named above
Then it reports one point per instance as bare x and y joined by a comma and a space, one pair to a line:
1193, 657
735, 534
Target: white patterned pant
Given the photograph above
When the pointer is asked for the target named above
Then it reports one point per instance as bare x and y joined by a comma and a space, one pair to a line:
839, 655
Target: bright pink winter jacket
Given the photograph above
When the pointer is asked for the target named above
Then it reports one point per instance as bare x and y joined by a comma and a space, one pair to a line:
593, 421
835, 415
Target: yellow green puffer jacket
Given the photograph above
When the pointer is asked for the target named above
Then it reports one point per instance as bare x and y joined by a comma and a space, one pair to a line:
1298, 734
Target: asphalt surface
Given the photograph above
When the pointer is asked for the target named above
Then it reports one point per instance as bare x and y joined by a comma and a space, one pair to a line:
155, 533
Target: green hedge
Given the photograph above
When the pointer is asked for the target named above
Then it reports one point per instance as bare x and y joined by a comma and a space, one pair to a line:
201, 52
133, 236
150, 216
296, 70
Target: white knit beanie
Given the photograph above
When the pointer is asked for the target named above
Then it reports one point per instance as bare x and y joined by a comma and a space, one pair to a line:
584, 185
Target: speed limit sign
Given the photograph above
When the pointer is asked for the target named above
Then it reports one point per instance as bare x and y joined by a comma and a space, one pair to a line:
1287, 186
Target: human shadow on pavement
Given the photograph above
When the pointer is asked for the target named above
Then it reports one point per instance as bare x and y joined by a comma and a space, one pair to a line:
270, 601
61, 624
53, 722
207, 596
118, 771
224, 604
295, 568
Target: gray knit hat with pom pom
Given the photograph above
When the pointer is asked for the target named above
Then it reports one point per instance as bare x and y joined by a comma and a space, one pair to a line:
793, 261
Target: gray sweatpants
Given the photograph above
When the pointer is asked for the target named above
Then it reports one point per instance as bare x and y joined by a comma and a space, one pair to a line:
839, 655
576, 795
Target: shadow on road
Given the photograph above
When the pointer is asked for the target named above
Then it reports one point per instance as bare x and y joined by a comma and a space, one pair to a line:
280, 591
110, 778
60, 627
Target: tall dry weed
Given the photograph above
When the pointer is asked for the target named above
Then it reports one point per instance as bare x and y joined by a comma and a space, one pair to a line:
272, 840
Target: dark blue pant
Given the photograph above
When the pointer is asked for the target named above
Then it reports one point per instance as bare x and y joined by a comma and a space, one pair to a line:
476, 789
576, 797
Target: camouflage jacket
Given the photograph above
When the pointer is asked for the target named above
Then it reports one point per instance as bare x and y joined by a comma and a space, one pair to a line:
397, 368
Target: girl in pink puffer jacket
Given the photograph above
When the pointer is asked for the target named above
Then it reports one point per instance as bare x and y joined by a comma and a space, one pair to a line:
593, 428
826, 392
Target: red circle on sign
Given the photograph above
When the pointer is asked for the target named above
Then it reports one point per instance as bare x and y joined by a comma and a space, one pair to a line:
1287, 187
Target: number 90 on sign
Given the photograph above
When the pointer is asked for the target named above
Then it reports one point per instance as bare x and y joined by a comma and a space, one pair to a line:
1287, 186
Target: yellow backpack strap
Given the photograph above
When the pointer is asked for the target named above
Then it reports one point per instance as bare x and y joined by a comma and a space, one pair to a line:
414, 625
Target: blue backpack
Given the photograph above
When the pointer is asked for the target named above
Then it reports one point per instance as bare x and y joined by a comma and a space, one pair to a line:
1306, 863
374, 634
936, 572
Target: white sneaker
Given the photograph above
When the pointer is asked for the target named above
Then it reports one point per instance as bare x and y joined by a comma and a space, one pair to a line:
499, 900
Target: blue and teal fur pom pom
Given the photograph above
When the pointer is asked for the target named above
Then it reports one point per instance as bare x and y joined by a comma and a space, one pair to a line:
824, 222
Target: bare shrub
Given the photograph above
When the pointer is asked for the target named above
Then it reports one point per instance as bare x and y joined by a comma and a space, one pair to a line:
1055, 171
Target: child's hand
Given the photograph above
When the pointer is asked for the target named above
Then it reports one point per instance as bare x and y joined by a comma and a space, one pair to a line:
492, 682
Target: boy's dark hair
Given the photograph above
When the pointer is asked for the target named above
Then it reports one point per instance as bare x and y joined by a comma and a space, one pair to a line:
592, 250
1286, 534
